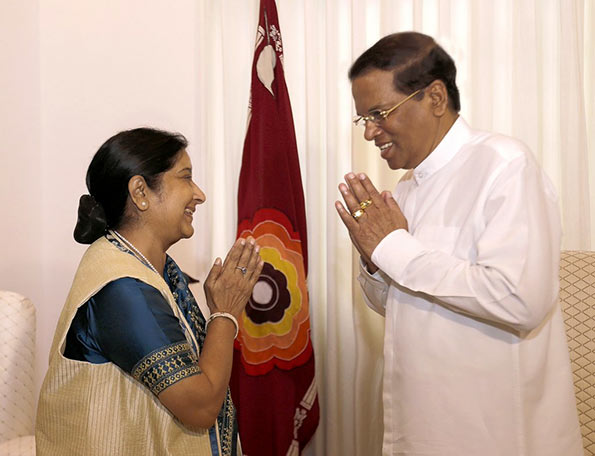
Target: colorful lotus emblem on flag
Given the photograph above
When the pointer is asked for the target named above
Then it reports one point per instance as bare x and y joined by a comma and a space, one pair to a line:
275, 327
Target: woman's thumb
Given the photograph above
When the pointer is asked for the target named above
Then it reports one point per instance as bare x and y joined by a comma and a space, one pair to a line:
215, 270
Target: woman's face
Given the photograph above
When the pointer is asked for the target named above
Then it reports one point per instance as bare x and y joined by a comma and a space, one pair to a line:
173, 204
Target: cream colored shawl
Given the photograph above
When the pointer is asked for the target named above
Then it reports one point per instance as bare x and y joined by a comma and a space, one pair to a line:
98, 409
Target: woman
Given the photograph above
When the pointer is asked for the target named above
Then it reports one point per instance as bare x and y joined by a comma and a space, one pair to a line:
134, 367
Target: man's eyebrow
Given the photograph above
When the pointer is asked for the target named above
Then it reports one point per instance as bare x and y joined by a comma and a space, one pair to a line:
371, 110
189, 169
374, 108
377, 107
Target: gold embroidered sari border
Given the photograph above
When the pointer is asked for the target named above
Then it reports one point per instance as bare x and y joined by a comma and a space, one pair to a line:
166, 366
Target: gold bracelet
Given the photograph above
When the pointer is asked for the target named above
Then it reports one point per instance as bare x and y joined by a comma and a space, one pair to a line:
224, 315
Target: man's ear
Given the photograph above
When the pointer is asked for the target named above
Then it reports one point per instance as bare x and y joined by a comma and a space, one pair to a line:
438, 95
137, 187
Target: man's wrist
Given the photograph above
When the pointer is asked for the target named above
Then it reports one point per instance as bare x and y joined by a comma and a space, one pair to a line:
370, 267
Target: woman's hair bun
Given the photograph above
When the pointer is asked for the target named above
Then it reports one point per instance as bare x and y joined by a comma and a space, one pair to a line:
91, 222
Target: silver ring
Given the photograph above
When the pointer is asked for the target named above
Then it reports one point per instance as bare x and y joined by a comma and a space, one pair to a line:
242, 269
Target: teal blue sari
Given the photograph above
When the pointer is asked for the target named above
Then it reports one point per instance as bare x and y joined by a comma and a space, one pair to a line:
130, 324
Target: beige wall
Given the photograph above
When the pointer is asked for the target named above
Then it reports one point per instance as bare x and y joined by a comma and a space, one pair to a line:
73, 73
21, 181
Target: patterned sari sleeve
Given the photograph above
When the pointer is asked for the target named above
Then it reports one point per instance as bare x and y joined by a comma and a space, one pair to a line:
166, 366
136, 329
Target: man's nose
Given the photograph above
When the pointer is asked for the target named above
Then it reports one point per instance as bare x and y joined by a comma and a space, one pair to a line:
371, 130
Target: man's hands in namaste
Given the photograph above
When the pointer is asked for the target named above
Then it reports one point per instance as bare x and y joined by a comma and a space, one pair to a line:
370, 216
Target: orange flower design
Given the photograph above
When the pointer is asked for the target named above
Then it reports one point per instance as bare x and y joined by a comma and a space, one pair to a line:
275, 326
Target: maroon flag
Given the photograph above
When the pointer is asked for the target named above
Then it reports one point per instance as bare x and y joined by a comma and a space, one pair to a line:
273, 384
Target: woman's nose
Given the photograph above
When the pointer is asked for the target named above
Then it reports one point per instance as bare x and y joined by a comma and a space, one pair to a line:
199, 194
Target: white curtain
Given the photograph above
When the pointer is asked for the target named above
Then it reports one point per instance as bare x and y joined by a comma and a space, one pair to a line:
525, 68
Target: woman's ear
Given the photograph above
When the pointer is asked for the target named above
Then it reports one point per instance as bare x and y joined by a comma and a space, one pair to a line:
439, 97
137, 187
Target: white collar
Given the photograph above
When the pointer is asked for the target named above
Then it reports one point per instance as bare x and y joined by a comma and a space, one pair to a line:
459, 134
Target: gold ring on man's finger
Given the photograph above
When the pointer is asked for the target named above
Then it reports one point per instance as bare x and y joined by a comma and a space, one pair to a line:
357, 214
365, 204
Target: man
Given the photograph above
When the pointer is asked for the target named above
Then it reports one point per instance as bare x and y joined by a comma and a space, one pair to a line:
463, 263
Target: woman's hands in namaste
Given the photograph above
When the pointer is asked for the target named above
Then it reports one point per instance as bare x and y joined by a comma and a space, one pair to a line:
196, 400
229, 285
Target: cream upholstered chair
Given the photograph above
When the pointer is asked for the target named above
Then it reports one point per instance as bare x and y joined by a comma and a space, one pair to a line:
577, 296
17, 366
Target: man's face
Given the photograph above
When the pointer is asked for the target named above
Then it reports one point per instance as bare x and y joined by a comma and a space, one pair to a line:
407, 136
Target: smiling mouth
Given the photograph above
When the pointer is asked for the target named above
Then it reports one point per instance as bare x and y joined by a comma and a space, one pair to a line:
188, 212
385, 146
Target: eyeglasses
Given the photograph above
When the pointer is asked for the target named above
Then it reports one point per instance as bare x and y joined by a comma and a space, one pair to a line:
377, 116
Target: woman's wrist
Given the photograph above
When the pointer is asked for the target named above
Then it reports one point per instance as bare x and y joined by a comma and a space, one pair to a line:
227, 316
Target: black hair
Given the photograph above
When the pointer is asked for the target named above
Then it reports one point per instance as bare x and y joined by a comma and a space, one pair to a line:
146, 152
416, 61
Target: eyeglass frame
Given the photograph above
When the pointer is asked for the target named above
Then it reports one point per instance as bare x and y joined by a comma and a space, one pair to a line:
379, 115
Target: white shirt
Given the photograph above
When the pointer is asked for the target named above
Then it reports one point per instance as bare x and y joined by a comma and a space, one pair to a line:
475, 355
